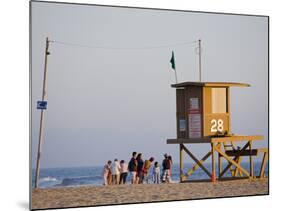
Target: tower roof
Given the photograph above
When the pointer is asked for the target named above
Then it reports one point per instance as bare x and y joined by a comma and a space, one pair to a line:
209, 84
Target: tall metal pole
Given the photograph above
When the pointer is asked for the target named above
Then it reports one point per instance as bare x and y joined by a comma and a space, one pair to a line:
176, 76
42, 116
199, 46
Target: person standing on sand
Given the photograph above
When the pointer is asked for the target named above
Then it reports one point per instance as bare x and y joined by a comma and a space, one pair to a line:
133, 167
156, 173
106, 171
139, 169
145, 169
115, 172
123, 171
170, 170
109, 177
166, 169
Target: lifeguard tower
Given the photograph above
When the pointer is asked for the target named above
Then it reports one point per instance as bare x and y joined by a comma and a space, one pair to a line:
203, 117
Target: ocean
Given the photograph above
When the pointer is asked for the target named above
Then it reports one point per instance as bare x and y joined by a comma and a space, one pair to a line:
78, 176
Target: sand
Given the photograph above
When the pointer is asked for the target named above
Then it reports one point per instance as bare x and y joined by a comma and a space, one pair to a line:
120, 194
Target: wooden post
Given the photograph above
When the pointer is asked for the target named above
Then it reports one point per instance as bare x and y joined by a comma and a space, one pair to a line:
42, 116
220, 165
264, 159
213, 164
181, 163
251, 160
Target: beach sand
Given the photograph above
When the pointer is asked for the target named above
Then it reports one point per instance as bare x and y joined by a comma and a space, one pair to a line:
120, 194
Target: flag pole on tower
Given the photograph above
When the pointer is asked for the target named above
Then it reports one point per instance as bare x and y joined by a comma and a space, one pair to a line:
199, 48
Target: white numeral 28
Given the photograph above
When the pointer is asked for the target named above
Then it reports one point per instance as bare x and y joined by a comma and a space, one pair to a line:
216, 125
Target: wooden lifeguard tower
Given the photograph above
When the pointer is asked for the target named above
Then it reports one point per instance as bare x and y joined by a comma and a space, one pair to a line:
203, 117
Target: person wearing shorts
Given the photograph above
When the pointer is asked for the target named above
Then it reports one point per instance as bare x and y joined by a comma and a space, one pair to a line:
145, 169
115, 169
123, 171
106, 172
166, 169
133, 167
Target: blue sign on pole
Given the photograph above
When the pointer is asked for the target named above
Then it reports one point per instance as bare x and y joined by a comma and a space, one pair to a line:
41, 105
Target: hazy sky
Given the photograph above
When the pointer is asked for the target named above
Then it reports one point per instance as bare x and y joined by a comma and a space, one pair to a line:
105, 103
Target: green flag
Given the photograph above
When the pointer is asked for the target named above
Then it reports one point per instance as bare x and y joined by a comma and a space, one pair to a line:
173, 61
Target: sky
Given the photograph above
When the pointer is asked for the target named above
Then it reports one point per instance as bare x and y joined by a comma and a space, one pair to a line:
113, 98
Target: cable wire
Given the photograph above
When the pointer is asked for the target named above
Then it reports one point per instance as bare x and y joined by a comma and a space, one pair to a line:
123, 48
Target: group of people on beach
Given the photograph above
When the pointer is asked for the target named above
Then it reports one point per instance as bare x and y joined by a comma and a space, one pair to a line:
115, 173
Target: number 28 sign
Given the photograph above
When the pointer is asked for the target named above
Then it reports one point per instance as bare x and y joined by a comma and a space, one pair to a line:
216, 125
